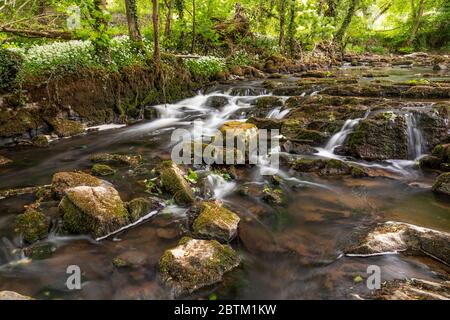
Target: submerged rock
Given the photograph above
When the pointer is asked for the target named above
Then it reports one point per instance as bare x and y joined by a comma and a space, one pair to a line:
413, 289
32, 225
328, 167
141, 207
402, 237
216, 102
116, 159
65, 180
97, 211
442, 184
173, 181
102, 170
216, 222
274, 197
11, 295
194, 264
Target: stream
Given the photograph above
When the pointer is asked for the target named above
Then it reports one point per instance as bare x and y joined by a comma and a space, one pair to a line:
291, 253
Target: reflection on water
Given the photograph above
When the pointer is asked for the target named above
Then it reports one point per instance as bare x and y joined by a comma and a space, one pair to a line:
292, 252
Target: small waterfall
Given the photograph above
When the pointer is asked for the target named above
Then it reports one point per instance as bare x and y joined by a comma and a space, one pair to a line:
415, 139
220, 186
277, 113
339, 138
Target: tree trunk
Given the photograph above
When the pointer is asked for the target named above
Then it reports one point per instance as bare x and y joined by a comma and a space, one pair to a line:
193, 26
339, 36
417, 16
282, 11
101, 28
331, 9
133, 26
168, 29
291, 27
157, 49
50, 34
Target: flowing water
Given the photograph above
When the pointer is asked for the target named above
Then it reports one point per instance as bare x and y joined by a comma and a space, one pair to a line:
293, 253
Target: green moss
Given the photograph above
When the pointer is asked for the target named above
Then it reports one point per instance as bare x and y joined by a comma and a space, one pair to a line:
40, 141
102, 170
62, 181
172, 181
66, 128
116, 159
140, 207
120, 263
32, 225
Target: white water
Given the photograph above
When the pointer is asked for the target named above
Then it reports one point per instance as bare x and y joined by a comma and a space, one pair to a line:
277, 113
415, 138
220, 186
339, 138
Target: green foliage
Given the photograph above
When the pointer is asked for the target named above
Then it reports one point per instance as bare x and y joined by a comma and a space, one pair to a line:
240, 58
10, 65
205, 67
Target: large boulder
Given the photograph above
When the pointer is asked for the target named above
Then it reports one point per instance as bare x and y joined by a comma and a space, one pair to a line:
32, 225
293, 130
97, 211
379, 138
65, 180
216, 222
194, 264
173, 181
442, 184
402, 237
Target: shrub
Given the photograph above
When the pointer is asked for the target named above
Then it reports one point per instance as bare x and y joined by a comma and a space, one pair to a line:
240, 58
205, 67
10, 65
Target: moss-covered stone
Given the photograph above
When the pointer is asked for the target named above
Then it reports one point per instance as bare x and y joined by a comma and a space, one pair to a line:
275, 197
216, 222
244, 130
116, 159
173, 181
102, 170
194, 264
293, 130
66, 128
40, 141
328, 167
97, 211
442, 184
140, 207
64, 180
32, 225
40, 251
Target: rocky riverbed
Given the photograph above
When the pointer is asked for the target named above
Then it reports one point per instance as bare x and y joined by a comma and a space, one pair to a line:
364, 181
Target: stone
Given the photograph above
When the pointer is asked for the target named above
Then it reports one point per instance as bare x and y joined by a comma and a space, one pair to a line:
4, 161
216, 222
173, 181
328, 167
216, 102
141, 207
194, 264
442, 184
11, 295
394, 236
40, 141
102, 170
62, 181
66, 128
116, 159
413, 289
274, 197
32, 225
97, 211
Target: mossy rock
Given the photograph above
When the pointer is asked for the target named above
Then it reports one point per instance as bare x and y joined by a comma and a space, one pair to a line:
430, 162
40, 141
66, 128
140, 207
173, 181
102, 170
97, 211
40, 251
64, 180
32, 225
274, 197
195, 264
216, 102
116, 159
216, 222
293, 130
328, 167
442, 184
